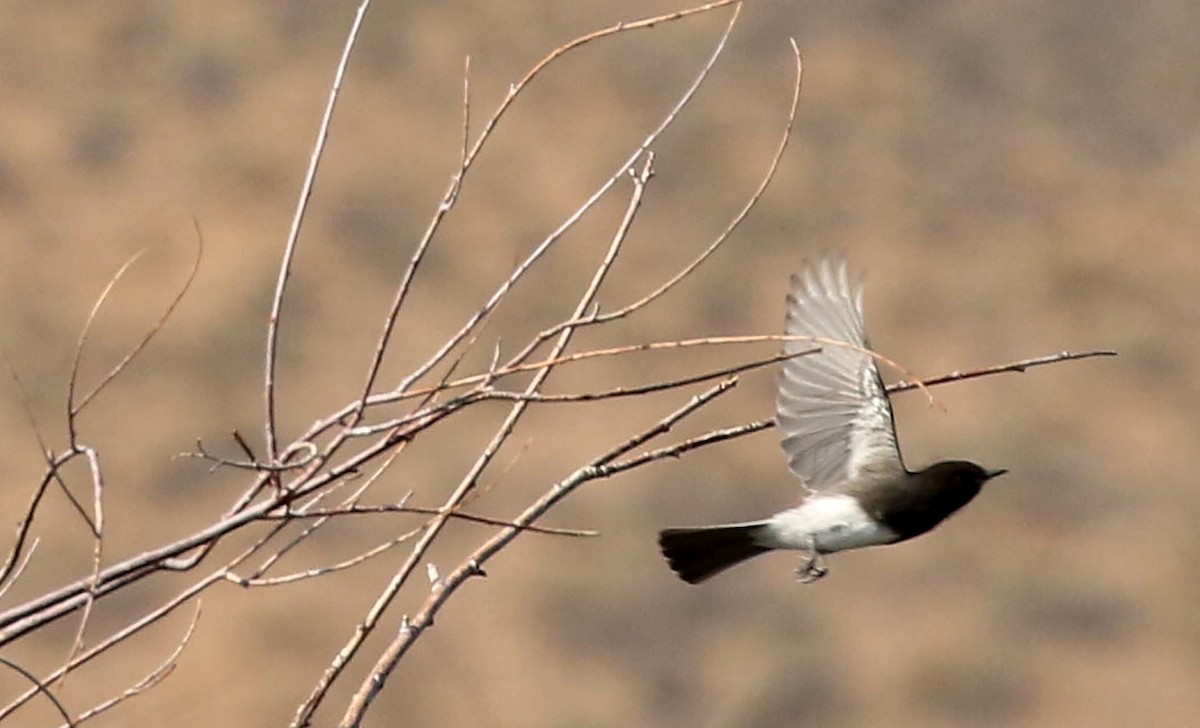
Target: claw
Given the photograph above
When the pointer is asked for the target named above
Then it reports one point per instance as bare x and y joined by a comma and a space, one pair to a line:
815, 574
813, 568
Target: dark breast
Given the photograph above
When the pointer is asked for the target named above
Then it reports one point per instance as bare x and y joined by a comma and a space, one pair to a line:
913, 503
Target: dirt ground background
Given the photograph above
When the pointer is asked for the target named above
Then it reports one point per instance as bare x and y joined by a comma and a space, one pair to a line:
1014, 179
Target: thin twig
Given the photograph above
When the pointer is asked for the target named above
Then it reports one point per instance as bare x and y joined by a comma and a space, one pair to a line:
23, 526
477, 380
289, 251
460, 515
120, 636
151, 332
258, 580
93, 459
310, 455
153, 678
1016, 366
16, 574
619, 392
26, 407
39, 688
313, 527
73, 378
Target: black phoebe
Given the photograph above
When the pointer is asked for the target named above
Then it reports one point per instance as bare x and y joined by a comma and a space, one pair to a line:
840, 441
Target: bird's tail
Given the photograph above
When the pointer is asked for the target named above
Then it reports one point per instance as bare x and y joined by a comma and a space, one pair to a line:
698, 553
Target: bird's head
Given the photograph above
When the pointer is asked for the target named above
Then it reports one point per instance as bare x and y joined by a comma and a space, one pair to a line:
963, 474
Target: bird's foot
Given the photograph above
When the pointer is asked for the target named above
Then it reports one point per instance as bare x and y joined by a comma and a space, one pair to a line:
812, 569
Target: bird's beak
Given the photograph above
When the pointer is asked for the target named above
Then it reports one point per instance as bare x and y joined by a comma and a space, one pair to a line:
994, 473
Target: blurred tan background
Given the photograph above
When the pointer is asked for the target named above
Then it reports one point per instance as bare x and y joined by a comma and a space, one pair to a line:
1013, 178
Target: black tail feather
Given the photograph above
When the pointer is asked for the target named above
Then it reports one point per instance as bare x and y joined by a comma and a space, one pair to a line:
695, 554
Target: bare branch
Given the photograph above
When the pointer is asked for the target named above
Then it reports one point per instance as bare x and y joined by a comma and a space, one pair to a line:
648, 388
16, 574
83, 336
1016, 366
39, 688
93, 459
259, 580
482, 392
411, 629
591, 201
306, 710
137, 349
161, 672
460, 515
23, 526
289, 251
310, 454
312, 527
135, 627
733, 225
731, 433
25, 406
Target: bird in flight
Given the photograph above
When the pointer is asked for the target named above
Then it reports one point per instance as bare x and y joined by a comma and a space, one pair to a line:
840, 441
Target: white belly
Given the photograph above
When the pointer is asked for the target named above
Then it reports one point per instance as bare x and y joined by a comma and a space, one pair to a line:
828, 522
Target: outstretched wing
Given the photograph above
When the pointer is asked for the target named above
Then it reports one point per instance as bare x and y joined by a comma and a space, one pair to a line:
832, 409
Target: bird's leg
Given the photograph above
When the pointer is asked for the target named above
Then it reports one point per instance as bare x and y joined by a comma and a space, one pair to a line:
813, 567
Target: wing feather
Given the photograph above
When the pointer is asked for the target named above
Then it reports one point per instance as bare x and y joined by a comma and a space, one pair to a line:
832, 409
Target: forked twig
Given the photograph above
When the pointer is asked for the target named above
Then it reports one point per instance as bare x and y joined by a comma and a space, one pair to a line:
75, 408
